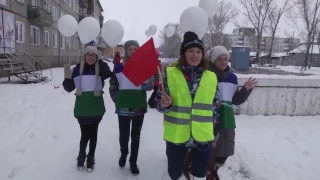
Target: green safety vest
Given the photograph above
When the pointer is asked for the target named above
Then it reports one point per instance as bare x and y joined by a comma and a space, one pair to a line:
189, 118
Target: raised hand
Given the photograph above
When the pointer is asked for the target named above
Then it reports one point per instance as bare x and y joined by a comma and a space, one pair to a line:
166, 100
251, 83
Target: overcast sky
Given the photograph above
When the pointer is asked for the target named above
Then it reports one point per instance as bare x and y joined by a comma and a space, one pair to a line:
137, 15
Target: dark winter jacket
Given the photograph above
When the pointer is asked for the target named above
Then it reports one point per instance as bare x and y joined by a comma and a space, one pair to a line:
88, 107
118, 82
229, 93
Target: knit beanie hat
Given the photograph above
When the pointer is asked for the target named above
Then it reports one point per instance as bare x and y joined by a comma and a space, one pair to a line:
191, 40
215, 52
90, 49
130, 43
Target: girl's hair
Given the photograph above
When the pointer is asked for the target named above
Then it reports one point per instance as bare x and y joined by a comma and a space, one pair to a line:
182, 62
125, 59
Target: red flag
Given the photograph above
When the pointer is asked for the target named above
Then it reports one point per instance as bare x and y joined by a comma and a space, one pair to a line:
142, 64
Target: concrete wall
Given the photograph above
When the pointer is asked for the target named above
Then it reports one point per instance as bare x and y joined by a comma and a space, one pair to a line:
283, 96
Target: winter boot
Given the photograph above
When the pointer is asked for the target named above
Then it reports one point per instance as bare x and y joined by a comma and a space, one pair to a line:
122, 160
90, 163
215, 174
81, 159
134, 169
197, 178
166, 176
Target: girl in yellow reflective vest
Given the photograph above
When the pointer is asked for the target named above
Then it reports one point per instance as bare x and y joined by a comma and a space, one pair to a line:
188, 110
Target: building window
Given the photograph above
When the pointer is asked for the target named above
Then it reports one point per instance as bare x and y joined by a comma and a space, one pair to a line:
75, 44
74, 5
46, 38
20, 32
62, 42
35, 35
46, 5
54, 40
70, 3
69, 43
22, 1
54, 13
35, 2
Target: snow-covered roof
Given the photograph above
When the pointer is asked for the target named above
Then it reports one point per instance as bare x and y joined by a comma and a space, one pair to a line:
241, 46
314, 49
283, 54
262, 54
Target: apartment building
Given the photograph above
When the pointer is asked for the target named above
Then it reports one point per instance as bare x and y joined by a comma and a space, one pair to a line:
32, 26
94, 9
281, 44
247, 37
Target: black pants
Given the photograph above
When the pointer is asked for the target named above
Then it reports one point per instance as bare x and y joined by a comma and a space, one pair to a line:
176, 155
88, 132
152, 101
124, 130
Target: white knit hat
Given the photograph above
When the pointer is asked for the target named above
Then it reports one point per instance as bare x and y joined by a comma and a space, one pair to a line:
215, 52
89, 49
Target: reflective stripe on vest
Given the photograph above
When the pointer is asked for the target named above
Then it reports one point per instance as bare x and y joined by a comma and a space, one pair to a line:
188, 117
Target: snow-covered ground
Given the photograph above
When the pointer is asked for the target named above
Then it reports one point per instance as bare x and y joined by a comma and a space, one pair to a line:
40, 137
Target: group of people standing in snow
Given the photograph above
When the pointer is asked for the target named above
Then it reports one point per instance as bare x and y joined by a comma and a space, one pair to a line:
199, 123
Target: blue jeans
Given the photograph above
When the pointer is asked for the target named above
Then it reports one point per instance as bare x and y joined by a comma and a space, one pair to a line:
176, 156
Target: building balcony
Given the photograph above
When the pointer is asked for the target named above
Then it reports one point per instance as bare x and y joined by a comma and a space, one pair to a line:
83, 4
101, 18
81, 16
89, 11
39, 16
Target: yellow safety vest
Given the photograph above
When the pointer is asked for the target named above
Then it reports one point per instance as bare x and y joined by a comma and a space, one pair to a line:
189, 118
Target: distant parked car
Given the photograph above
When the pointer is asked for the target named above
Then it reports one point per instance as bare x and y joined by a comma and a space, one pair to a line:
269, 65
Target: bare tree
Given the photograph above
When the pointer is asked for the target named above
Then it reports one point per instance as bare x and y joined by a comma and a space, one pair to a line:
305, 18
170, 46
257, 12
292, 45
227, 13
274, 16
318, 41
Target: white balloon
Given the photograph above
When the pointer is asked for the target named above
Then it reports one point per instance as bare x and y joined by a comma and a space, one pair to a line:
112, 32
67, 25
170, 31
194, 19
153, 29
88, 29
211, 7
147, 33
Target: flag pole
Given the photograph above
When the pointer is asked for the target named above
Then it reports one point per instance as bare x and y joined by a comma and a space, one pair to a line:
160, 78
